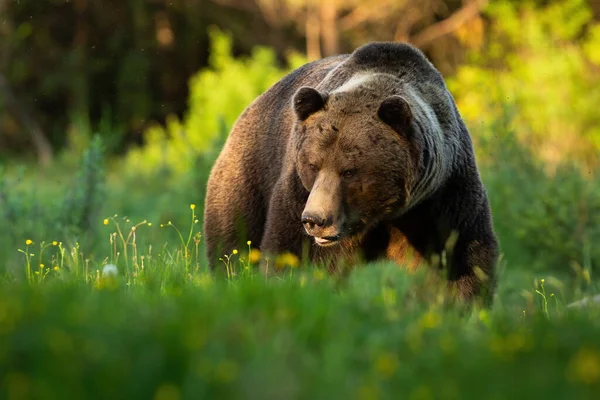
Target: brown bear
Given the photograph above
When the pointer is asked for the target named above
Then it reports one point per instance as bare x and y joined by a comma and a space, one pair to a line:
363, 153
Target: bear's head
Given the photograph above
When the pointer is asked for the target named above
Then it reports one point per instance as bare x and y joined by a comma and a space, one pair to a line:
358, 156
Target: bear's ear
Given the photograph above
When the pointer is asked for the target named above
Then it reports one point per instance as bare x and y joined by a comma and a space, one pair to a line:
308, 101
396, 112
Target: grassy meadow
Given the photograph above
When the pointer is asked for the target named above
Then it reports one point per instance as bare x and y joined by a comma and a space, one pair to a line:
160, 326
105, 293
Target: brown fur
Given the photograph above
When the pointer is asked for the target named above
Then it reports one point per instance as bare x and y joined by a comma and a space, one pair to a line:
367, 149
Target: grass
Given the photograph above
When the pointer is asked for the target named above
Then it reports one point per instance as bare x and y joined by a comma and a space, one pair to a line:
165, 328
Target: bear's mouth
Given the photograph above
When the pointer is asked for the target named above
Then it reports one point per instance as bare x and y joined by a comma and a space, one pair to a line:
327, 241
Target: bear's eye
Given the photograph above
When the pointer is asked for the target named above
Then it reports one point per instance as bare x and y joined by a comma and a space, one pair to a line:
349, 173
313, 167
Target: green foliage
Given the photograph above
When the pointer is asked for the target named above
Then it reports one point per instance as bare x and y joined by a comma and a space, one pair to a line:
217, 97
68, 212
540, 61
547, 221
83, 202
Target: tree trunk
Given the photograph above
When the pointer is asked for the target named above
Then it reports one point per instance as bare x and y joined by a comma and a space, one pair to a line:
313, 32
41, 143
329, 27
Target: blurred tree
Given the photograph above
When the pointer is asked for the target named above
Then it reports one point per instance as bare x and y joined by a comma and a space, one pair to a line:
116, 66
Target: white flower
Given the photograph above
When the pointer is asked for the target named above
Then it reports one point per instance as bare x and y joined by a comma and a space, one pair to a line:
109, 269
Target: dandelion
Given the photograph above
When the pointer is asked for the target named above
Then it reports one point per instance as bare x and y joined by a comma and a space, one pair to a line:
105, 221
254, 256
55, 243
28, 242
235, 251
248, 242
42, 266
56, 268
192, 206
288, 259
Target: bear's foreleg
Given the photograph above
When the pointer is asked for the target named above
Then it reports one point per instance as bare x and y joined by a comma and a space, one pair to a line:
283, 227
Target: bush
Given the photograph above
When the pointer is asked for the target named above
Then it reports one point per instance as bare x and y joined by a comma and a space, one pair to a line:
542, 62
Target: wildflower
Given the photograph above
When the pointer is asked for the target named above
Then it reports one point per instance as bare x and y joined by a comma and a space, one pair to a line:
192, 206
195, 221
386, 365
318, 275
235, 251
584, 367
109, 269
288, 259
55, 243
167, 392
105, 221
56, 268
248, 242
41, 266
149, 223
254, 256
28, 242
430, 320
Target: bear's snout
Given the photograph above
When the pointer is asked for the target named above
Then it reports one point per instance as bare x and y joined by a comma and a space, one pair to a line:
321, 216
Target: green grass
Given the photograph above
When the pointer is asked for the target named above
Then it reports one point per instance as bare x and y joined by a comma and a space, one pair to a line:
164, 328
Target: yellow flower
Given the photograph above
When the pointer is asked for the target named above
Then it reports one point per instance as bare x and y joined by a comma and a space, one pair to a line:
584, 367
149, 223
105, 221
28, 242
192, 206
235, 251
56, 268
248, 243
42, 266
288, 259
55, 243
386, 365
254, 256
318, 275
430, 320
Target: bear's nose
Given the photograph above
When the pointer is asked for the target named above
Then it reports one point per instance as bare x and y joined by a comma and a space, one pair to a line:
310, 220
